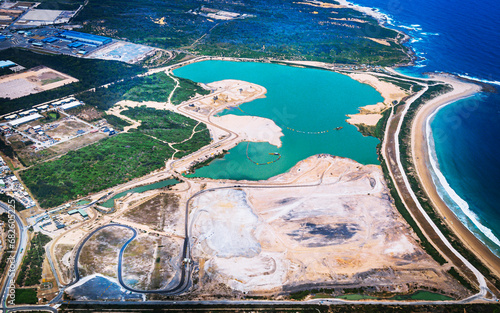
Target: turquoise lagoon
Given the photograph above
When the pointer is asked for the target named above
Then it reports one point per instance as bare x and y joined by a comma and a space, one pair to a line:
309, 101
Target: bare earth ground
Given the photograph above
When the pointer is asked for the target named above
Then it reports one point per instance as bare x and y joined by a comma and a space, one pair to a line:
330, 223
32, 81
344, 231
100, 253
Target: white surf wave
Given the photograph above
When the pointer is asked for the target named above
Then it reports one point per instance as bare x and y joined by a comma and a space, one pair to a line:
446, 188
493, 82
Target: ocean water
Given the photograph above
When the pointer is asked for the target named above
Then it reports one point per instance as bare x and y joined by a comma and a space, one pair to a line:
460, 37
311, 101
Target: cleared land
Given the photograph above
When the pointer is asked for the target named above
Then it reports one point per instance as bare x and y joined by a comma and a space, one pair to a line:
327, 223
105, 245
345, 231
33, 81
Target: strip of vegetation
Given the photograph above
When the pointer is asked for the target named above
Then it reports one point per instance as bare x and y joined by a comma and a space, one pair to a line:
455, 274
31, 269
208, 161
63, 5
428, 247
4, 217
116, 122
90, 73
407, 162
71, 306
26, 296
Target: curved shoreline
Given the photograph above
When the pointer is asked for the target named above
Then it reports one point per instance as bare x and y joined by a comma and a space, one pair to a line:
421, 160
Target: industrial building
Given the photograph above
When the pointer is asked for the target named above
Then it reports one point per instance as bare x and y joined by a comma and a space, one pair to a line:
63, 101
25, 119
84, 37
28, 112
50, 40
11, 117
6, 63
43, 107
70, 105
81, 211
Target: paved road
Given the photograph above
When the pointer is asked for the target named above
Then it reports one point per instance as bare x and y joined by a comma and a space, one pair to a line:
22, 238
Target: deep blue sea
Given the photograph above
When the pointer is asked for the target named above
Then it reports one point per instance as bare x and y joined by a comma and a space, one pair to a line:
460, 37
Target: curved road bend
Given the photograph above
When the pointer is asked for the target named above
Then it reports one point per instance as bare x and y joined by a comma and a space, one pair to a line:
392, 156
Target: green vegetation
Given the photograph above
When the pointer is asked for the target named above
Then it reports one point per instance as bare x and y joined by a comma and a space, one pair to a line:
355, 297
26, 296
107, 163
116, 122
6, 149
156, 87
4, 217
163, 125
64, 5
453, 272
90, 73
31, 269
208, 161
116, 159
50, 116
278, 29
200, 138
8, 199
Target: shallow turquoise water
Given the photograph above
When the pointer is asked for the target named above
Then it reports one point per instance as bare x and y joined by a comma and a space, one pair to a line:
307, 100
111, 202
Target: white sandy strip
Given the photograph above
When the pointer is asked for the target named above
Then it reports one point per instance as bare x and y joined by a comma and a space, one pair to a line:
251, 128
388, 91
367, 119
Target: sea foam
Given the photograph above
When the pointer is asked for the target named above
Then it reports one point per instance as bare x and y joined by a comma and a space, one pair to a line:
440, 180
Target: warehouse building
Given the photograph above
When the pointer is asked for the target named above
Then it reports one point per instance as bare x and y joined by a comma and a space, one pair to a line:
87, 38
25, 119
70, 105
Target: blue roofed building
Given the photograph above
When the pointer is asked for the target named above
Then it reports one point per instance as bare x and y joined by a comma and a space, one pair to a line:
84, 37
6, 63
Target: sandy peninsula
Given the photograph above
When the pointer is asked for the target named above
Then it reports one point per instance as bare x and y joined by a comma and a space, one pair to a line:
421, 159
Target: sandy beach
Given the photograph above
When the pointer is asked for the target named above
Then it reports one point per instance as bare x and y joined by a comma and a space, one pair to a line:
420, 152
